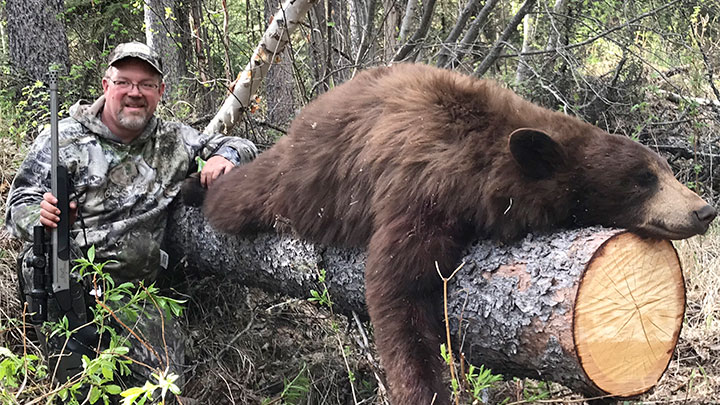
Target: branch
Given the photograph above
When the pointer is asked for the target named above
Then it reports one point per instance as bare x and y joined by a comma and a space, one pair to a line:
492, 56
409, 46
276, 37
407, 20
366, 35
470, 35
464, 16
595, 38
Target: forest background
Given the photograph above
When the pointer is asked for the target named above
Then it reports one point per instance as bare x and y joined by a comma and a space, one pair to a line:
646, 69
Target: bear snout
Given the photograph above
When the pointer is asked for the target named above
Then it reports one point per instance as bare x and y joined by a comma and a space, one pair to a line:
705, 216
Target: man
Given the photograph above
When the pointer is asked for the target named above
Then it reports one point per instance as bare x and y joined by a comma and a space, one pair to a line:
126, 166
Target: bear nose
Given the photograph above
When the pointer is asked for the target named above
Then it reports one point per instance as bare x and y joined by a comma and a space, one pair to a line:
706, 214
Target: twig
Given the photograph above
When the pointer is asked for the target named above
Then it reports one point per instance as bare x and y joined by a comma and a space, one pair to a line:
366, 348
132, 331
593, 39
162, 326
24, 339
447, 323
492, 56
236, 337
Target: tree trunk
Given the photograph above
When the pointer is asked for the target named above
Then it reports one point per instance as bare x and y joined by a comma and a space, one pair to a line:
523, 68
367, 35
204, 96
279, 84
36, 37
272, 44
163, 36
407, 21
598, 310
492, 56
408, 47
470, 36
391, 28
557, 25
449, 45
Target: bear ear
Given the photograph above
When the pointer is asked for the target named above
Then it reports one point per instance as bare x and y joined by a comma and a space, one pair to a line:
537, 154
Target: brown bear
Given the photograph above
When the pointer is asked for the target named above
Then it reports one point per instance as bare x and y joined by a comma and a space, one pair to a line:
413, 162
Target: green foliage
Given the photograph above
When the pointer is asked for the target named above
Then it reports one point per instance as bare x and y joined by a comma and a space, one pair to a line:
13, 368
97, 383
21, 112
321, 297
535, 391
296, 389
480, 379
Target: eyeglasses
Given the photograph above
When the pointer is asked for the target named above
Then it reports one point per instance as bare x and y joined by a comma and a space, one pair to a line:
128, 85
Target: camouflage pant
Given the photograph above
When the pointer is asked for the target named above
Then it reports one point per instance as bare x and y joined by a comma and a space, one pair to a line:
156, 343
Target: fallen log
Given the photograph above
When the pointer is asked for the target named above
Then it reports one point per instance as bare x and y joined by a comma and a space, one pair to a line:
598, 310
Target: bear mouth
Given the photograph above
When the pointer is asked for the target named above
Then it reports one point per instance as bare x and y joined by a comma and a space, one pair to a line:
660, 230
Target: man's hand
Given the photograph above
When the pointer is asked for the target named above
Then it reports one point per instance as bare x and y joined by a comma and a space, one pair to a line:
49, 213
214, 167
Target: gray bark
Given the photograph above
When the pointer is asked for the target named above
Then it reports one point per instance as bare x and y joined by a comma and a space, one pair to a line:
517, 324
449, 44
278, 83
470, 36
391, 28
523, 71
407, 20
162, 34
36, 37
492, 56
409, 46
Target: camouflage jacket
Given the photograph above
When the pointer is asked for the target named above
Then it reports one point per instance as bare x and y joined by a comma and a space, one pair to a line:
123, 190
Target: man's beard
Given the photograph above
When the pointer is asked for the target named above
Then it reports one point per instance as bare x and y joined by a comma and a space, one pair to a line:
133, 122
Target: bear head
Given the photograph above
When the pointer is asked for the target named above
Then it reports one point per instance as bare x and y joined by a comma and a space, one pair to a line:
614, 181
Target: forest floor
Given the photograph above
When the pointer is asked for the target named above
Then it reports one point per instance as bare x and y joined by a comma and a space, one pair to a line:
248, 346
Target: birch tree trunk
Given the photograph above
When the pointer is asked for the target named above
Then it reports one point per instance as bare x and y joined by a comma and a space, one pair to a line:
597, 310
523, 70
276, 37
407, 21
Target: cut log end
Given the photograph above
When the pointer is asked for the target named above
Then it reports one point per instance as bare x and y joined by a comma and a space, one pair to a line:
628, 313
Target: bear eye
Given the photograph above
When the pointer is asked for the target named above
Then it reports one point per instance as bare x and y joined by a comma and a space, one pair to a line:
645, 178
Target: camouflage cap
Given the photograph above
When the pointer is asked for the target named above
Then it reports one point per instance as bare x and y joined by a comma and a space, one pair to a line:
135, 50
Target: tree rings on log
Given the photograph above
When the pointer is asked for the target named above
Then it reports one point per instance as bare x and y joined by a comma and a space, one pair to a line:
628, 313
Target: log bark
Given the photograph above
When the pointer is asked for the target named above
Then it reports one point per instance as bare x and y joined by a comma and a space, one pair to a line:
595, 309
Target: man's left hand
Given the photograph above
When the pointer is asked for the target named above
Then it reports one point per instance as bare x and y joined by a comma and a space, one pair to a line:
214, 167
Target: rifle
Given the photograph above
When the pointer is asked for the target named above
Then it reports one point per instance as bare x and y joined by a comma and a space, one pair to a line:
52, 277
60, 236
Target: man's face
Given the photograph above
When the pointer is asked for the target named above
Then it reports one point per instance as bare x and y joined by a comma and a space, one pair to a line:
132, 92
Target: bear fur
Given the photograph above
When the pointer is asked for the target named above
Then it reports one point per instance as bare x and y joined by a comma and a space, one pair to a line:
413, 162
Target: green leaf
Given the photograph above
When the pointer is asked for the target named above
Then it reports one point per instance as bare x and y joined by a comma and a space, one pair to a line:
107, 372
91, 254
113, 389
94, 394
